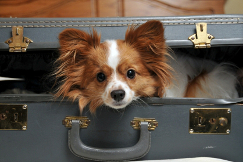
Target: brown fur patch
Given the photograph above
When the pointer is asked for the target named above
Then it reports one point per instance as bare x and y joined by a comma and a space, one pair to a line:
194, 85
82, 56
148, 40
145, 82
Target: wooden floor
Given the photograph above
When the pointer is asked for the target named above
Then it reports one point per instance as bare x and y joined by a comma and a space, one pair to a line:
108, 8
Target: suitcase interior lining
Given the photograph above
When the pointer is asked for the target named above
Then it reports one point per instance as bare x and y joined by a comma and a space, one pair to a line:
35, 67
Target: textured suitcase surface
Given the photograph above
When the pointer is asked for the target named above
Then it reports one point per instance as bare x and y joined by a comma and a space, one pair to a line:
44, 32
46, 139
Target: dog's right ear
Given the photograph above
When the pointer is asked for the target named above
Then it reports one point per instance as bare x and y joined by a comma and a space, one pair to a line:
77, 40
75, 46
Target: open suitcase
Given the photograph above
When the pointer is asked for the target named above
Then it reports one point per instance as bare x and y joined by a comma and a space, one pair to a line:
35, 127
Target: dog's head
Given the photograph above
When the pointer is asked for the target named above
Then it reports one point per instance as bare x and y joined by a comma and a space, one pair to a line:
114, 72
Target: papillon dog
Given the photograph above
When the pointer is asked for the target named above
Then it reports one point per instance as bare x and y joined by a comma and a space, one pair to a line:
116, 72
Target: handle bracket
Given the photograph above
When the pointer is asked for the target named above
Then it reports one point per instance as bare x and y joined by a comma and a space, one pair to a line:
83, 121
152, 123
78, 148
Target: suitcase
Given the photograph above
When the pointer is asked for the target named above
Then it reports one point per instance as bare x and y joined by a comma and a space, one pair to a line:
37, 127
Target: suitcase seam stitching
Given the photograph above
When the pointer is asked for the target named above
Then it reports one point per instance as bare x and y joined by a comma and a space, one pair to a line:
88, 25
110, 25
233, 18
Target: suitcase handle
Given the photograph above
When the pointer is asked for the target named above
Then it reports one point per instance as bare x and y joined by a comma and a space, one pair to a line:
137, 151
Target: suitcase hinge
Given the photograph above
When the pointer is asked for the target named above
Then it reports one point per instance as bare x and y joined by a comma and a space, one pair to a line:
18, 43
83, 121
202, 39
152, 123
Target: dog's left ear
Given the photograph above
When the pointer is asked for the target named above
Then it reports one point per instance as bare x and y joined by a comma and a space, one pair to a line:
149, 34
148, 40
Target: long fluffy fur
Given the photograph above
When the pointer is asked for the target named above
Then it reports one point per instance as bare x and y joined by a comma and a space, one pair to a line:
82, 57
149, 41
75, 46
201, 78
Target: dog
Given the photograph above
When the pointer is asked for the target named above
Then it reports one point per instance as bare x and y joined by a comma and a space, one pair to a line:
117, 72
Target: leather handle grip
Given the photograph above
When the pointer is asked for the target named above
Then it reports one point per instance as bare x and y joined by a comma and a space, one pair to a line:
78, 148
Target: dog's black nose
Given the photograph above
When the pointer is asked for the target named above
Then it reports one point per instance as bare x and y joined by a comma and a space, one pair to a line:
118, 95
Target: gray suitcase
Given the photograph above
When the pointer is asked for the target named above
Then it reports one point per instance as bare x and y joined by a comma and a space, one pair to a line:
35, 127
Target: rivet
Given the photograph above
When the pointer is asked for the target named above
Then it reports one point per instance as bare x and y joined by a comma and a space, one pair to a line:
132, 123
25, 107
192, 110
9, 41
87, 121
229, 111
24, 127
209, 37
228, 131
191, 130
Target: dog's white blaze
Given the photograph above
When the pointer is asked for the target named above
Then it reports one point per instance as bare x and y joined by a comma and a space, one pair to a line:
115, 83
113, 57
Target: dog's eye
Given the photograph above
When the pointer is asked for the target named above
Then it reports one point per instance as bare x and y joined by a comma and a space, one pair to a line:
131, 74
101, 77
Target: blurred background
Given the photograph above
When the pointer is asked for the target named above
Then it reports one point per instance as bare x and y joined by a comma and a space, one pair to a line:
114, 8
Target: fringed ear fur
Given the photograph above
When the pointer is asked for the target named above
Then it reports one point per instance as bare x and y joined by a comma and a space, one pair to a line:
75, 46
148, 40
74, 41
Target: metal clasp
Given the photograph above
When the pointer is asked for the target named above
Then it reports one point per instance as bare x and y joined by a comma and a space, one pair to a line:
210, 121
13, 117
152, 123
83, 121
18, 43
202, 39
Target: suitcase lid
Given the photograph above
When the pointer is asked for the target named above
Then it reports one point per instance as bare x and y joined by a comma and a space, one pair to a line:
227, 29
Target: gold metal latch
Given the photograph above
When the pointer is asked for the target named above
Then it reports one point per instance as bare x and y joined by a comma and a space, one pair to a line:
152, 123
210, 121
13, 117
18, 43
202, 39
83, 121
